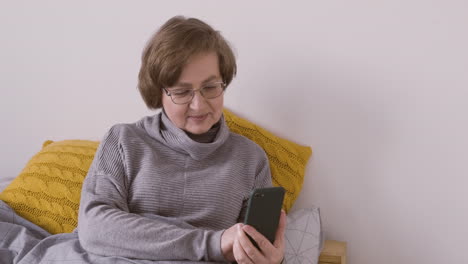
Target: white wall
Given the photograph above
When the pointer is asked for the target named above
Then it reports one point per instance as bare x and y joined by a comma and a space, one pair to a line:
377, 88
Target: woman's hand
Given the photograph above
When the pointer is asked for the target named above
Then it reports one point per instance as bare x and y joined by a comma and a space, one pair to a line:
227, 242
245, 252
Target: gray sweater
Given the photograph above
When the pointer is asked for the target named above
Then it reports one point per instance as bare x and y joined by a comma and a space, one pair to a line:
154, 193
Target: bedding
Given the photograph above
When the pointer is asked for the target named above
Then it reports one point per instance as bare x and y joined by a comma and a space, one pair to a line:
304, 236
23, 242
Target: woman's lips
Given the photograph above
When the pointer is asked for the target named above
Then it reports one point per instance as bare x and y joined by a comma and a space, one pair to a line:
198, 117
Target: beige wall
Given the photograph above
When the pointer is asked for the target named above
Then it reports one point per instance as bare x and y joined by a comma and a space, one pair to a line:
378, 88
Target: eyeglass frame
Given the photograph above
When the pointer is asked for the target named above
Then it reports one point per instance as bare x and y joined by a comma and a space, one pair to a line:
223, 84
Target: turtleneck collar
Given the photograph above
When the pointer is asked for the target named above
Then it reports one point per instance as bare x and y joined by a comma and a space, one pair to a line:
161, 128
206, 137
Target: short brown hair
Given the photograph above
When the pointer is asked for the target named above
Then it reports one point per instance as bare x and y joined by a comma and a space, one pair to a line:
169, 50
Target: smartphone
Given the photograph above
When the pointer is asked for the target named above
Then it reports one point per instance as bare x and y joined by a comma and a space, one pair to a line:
264, 210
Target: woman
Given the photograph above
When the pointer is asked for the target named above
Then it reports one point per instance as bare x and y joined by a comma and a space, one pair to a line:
174, 186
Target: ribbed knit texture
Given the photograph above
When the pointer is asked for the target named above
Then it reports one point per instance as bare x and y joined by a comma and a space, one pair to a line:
154, 193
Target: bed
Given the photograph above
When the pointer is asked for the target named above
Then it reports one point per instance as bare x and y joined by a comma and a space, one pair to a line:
39, 207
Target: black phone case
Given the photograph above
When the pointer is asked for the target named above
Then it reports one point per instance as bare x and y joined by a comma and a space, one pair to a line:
264, 210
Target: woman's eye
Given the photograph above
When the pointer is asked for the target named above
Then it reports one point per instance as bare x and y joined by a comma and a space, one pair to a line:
210, 87
181, 93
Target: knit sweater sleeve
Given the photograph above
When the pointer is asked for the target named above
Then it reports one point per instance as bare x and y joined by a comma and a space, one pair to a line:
107, 227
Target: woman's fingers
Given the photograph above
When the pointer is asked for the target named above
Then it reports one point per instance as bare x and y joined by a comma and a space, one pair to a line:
227, 242
239, 251
245, 251
279, 238
256, 255
262, 241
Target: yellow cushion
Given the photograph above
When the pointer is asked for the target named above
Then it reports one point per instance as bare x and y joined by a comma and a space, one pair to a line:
47, 191
287, 159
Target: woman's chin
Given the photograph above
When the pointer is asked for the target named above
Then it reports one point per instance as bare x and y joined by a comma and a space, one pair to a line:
198, 129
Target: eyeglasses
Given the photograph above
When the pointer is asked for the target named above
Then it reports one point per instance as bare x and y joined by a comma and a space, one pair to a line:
185, 96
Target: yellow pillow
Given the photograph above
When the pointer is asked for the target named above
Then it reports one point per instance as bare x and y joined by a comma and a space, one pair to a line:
47, 191
287, 159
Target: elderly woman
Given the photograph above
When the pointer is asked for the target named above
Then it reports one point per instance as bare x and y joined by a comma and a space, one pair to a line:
174, 186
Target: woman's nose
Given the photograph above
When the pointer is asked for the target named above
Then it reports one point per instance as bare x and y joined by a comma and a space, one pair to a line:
198, 100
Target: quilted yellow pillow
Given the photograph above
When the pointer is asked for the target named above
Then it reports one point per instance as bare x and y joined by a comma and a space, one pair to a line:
287, 159
47, 191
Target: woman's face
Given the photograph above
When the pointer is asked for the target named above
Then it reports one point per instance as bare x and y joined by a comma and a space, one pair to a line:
200, 114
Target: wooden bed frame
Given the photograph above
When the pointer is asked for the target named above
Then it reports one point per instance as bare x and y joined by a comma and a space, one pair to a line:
333, 252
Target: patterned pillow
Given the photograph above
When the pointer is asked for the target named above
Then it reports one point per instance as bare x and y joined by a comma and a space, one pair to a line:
47, 192
287, 159
304, 236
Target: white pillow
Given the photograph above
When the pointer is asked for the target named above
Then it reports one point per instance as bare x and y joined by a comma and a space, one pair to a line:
304, 236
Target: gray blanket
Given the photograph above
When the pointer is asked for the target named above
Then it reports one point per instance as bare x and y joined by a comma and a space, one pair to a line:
22, 242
